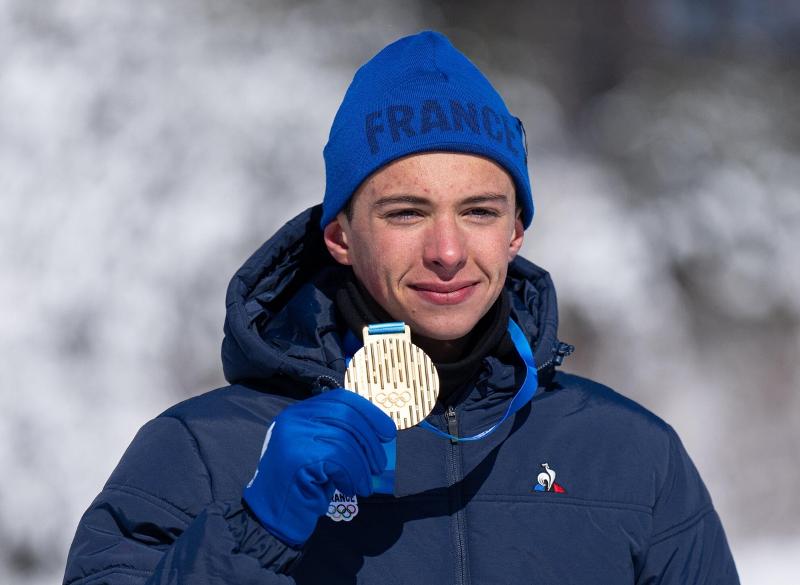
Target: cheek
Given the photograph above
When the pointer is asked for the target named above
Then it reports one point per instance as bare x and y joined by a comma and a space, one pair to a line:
386, 255
372, 267
369, 275
494, 256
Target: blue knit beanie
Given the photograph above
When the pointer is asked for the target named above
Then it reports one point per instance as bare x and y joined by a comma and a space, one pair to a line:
420, 94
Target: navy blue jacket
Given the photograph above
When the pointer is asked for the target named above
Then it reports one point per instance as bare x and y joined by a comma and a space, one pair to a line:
626, 504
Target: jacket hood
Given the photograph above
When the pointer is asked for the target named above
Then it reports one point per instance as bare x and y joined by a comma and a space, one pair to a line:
281, 325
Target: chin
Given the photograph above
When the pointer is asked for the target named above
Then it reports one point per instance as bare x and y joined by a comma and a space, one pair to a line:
450, 331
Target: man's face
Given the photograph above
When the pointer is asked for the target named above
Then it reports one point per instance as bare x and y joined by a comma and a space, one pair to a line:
430, 238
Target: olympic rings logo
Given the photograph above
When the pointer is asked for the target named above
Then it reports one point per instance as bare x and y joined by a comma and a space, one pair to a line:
342, 511
393, 399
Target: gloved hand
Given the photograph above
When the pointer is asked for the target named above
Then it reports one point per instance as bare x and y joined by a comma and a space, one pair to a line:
314, 447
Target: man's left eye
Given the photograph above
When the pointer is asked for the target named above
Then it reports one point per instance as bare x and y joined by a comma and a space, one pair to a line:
483, 212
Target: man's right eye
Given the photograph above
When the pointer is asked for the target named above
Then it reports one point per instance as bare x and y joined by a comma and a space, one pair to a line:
402, 214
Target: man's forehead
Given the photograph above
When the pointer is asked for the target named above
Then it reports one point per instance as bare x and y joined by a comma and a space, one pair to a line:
427, 173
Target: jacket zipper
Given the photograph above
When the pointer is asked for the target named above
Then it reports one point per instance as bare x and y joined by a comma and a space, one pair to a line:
452, 424
562, 351
456, 508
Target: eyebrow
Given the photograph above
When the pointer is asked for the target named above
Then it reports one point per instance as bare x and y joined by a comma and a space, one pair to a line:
392, 199
417, 200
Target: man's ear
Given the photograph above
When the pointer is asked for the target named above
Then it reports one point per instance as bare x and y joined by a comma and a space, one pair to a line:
517, 236
336, 239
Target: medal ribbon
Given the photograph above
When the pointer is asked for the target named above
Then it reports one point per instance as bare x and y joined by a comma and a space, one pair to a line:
385, 482
521, 398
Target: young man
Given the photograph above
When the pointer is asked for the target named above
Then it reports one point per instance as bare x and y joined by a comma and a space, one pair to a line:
426, 202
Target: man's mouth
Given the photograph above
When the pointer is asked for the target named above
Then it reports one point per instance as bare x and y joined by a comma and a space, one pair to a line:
445, 293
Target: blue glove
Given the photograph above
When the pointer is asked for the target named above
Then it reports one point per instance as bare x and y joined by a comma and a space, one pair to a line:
314, 447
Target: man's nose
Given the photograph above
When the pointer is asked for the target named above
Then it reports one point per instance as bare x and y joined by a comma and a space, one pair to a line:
445, 247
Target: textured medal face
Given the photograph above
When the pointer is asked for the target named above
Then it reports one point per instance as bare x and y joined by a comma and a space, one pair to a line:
396, 376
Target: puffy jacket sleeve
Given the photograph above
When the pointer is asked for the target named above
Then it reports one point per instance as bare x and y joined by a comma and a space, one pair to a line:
156, 522
688, 544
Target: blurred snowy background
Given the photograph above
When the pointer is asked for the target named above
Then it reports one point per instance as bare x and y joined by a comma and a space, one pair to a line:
146, 148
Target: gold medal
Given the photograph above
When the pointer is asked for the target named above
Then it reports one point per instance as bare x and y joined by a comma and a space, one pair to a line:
395, 375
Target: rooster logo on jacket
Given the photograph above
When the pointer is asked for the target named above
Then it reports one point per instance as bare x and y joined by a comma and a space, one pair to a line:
546, 481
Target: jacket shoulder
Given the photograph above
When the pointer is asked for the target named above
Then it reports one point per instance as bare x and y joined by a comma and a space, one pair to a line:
227, 404
630, 453
201, 450
609, 406
227, 426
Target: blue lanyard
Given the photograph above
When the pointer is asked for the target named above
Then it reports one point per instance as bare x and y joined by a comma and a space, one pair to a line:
521, 398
